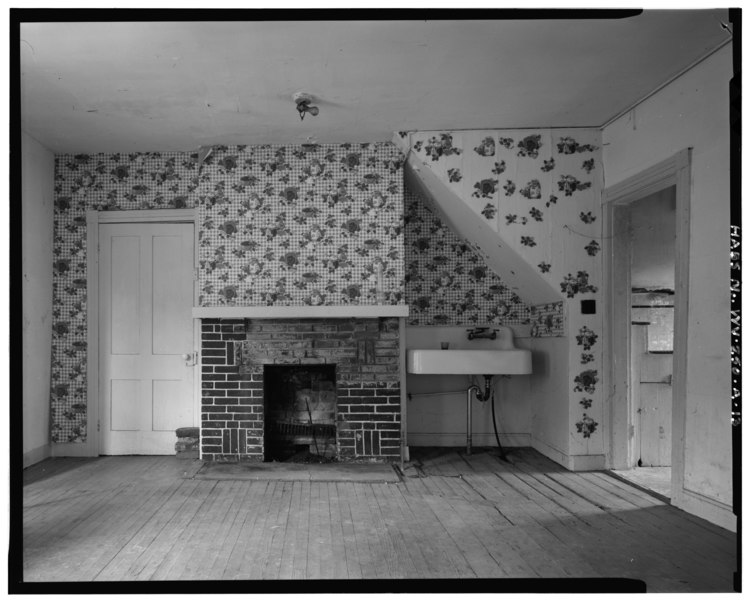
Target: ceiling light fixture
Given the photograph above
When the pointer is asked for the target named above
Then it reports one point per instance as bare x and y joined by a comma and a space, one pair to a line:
303, 104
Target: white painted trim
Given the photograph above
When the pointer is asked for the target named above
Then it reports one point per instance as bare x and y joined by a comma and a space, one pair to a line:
36, 455
617, 339
343, 311
649, 181
548, 451
457, 440
706, 508
586, 462
93, 219
159, 215
681, 323
197, 368
92, 338
577, 462
675, 171
73, 449
403, 393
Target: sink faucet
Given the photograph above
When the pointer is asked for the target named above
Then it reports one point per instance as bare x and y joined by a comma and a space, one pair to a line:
481, 332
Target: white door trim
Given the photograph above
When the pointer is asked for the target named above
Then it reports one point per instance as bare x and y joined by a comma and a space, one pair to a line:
160, 215
675, 171
93, 219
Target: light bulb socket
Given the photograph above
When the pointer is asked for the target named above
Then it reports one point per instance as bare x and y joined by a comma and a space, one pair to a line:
303, 104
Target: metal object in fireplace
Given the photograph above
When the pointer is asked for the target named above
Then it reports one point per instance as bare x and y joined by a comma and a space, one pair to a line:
300, 413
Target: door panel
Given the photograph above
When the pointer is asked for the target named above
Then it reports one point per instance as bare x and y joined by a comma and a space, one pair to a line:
125, 295
168, 409
146, 325
655, 424
125, 394
171, 283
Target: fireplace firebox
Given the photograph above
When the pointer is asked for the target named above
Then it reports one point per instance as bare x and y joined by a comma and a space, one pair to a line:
300, 413
331, 386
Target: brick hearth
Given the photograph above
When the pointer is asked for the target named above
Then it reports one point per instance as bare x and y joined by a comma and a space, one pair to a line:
364, 350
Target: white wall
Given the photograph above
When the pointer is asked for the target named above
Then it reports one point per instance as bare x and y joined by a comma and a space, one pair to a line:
441, 420
549, 391
37, 219
693, 111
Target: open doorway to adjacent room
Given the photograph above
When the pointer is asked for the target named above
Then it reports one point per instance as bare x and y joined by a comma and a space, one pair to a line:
651, 240
647, 229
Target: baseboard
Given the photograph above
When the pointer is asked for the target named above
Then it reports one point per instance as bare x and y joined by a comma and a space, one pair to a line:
554, 454
706, 508
583, 462
36, 455
459, 440
586, 462
72, 449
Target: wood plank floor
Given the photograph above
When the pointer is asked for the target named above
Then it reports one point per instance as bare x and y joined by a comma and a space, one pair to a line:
450, 516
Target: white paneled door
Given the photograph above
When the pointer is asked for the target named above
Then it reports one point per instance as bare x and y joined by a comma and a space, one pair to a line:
145, 336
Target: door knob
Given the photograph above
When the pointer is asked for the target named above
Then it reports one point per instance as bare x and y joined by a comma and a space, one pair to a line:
190, 359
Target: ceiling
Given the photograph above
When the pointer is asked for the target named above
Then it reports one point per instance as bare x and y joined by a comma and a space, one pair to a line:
158, 86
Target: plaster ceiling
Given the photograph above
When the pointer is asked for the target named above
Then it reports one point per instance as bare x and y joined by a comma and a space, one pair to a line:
124, 87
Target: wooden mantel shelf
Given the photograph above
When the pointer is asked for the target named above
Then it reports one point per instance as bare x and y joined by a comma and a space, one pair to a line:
345, 311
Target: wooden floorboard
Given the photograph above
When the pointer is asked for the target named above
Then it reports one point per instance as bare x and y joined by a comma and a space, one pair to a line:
159, 536
552, 558
429, 511
269, 552
451, 516
629, 555
669, 563
254, 513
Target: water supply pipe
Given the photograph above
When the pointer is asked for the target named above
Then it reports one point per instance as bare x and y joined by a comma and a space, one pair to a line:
473, 389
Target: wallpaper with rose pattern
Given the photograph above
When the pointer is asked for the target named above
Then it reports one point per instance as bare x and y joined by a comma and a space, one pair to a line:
448, 283
277, 225
539, 190
316, 224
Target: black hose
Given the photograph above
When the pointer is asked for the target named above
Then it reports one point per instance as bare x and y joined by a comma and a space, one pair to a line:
496, 431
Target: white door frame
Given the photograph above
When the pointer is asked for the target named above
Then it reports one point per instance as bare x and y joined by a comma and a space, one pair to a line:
93, 219
675, 171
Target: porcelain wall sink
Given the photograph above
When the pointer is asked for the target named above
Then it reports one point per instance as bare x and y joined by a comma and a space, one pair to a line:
472, 357
469, 362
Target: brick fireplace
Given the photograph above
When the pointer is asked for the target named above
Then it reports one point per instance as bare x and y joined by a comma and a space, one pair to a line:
363, 352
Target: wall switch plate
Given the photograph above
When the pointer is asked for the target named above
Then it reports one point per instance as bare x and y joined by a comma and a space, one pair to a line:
587, 307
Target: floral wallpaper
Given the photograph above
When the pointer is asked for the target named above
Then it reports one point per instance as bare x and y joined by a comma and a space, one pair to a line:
539, 190
314, 224
98, 182
311, 224
447, 282
547, 320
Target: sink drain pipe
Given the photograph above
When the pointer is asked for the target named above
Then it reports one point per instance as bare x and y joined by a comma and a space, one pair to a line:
474, 390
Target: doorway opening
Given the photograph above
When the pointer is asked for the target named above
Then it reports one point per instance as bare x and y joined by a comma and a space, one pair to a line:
647, 235
651, 239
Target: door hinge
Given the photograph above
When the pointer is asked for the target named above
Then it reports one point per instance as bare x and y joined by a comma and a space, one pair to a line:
195, 274
97, 425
